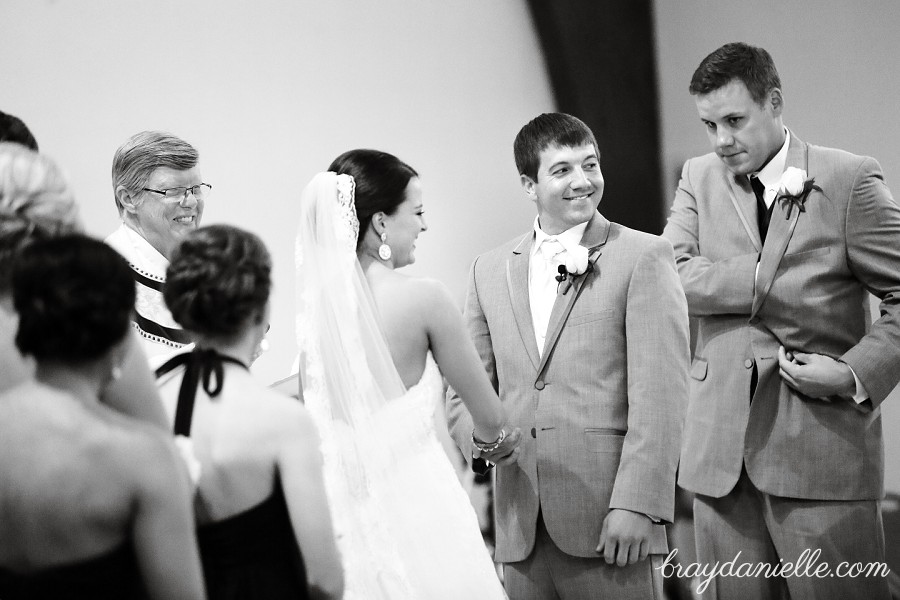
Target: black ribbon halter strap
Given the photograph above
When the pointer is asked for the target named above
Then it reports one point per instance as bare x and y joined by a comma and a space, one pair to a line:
199, 364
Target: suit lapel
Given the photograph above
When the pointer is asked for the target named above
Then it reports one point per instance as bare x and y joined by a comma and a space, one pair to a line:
517, 282
780, 231
594, 239
744, 201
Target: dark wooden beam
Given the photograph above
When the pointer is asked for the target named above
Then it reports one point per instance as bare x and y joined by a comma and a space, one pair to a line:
601, 58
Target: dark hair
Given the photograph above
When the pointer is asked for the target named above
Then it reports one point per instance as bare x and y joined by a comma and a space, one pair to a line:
548, 129
74, 296
381, 181
219, 277
751, 65
12, 129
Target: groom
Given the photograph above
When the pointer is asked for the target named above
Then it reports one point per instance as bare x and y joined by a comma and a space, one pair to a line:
777, 243
582, 326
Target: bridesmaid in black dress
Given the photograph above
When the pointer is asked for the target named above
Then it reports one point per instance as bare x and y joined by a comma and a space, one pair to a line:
93, 504
264, 524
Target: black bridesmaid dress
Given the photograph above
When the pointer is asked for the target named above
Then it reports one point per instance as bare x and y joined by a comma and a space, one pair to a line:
252, 555
112, 576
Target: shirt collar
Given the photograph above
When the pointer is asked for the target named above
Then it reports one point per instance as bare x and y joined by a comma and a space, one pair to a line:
770, 175
569, 238
149, 257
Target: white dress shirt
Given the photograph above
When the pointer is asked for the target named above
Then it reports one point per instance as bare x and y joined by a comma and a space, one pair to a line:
543, 268
770, 174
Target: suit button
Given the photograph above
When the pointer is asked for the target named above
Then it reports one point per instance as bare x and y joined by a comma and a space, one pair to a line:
748, 363
754, 320
539, 385
533, 432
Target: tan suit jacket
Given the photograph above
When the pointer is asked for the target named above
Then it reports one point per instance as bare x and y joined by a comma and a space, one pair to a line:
809, 296
601, 410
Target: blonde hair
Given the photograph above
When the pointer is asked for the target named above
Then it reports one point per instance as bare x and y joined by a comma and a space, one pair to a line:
35, 202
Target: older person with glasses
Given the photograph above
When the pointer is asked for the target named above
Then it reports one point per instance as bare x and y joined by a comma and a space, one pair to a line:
160, 196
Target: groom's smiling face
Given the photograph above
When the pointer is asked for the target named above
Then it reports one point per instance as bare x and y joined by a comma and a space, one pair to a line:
744, 133
568, 188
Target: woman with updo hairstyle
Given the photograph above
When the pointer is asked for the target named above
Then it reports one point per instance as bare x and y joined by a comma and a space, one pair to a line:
380, 180
264, 527
222, 283
375, 346
37, 203
95, 505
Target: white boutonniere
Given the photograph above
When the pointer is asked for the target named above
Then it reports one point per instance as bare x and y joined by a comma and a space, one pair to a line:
794, 188
578, 262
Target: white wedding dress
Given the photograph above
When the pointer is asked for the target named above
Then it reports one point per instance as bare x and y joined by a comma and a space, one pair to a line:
413, 532
405, 527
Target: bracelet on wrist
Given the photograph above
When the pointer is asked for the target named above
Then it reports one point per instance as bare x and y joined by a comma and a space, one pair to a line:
488, 446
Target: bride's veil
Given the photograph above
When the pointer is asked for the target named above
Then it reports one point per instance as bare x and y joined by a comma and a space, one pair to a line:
337, 317
346, 370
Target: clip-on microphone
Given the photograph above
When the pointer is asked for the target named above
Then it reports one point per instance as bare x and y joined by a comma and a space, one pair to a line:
564, 282
563, 273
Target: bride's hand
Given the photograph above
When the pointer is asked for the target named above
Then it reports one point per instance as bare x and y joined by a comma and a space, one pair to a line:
507, 453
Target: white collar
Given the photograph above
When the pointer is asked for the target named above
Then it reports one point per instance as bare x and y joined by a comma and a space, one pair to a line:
139, 252
569, 238
770, 175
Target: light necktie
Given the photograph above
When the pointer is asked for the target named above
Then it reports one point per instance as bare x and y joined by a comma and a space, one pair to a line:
551, 249
546, 266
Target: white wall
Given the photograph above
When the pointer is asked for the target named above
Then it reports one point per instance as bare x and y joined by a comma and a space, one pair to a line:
271, 91
837, 62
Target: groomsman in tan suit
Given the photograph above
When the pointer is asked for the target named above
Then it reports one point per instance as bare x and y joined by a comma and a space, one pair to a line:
582, 326
777, 243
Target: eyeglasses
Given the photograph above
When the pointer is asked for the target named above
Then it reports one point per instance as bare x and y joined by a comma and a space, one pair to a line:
180, 194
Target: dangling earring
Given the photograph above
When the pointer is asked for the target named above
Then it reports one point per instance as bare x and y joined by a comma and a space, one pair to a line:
384, 251
116, 373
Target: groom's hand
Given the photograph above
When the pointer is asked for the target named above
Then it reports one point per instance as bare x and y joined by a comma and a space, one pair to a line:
625, 537
507, 453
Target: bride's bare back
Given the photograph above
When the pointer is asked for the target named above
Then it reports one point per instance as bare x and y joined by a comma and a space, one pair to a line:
400, 300
419, 315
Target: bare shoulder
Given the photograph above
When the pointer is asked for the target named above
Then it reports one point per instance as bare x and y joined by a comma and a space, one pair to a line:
106, 436
144, 454
287, 418
428, 297
429, 289
414, 295
295, 434
105, 450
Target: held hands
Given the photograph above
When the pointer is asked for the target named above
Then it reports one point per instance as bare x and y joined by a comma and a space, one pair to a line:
507, 453
816, 375
625, 537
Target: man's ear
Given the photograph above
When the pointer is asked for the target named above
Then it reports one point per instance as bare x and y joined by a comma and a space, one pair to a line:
776, 100
528, 185
128, 201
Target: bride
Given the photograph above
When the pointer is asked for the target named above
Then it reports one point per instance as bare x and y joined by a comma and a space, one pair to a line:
374, 344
